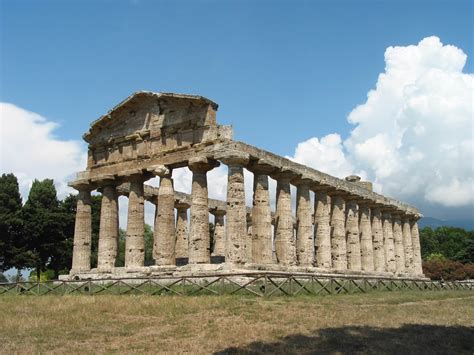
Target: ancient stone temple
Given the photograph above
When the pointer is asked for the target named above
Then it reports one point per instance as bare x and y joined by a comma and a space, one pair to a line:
340, 226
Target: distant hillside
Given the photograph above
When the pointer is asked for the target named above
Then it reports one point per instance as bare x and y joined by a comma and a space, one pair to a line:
467, 224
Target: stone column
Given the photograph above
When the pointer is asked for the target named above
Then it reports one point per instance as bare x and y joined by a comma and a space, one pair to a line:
109, 228
415, 240
164, 237
199, 239
338, 234
399, 249
219, 232
248, 244
304, 225
378, 240
261, 216
285, 245
182, 230
236, 214
135, 240
322, 227
407, 242
353, 237
81, 254
366, 247
389, 244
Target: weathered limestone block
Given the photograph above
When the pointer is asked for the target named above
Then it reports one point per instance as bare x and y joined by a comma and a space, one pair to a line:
304, 231
109, 229
248, 244
366, 247
236, 214
135, 240
415, 239
407, 242
322, 227
199, 239
285, 245
164, 237
81, 255
261, 218
338, 234
353, 241
389, 245
182, 230
399, 249
378, 240
219, 233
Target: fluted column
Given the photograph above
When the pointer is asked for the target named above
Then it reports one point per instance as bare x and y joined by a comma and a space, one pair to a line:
182, 230
338, 234
407, 243
219, 233
109, 228
164, 237
135, 240
322, 227
261, 217
378, 240
366, 247
236, 214
389, 244
415, 239
398, 239
81, 254
353, 237
304, 225
285, 245
199, 239
248, 244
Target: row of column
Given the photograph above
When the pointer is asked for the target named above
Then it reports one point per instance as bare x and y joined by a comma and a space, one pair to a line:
341, 234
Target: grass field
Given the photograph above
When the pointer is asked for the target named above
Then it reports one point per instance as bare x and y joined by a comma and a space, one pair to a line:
379, 322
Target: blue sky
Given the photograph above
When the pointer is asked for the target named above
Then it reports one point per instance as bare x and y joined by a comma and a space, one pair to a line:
281, 71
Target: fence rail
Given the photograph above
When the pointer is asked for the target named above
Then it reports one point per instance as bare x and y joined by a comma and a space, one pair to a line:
260, 285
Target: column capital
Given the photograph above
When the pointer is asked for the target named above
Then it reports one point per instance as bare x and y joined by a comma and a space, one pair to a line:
181, 205
135, 175
217, 212
82, 185
233, 158
162, 171
261, 166
302, 180
202, 164
284, 175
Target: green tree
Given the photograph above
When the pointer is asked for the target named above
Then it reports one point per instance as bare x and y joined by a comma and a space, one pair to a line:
14, 250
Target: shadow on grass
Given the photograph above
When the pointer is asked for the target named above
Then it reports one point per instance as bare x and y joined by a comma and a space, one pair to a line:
408, 339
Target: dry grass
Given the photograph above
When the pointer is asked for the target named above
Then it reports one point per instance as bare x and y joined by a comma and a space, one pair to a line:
428, 322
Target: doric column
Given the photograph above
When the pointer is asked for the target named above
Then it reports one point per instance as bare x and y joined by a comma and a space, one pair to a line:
236, 214
81, 254
415, 240
219, 232
378, 240
261, 216
322, 227
135, 240
285, 245
366, 247
248, 244
304, 224
353, 237
182, 229
109, 227
407, 243
164, 237
398, 239
388, 241
338, 234
199, 239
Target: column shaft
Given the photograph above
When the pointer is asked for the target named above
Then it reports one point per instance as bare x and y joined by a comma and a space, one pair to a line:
378, 240
164, 233
322, 227
366, 247
338, 234
219, 233
415, 239
399, 249
182, 232
261, 221
199, 239
109, 229
389, 244
81, 255
304, 232
135, 241
284, 242
353, 237
407, 242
